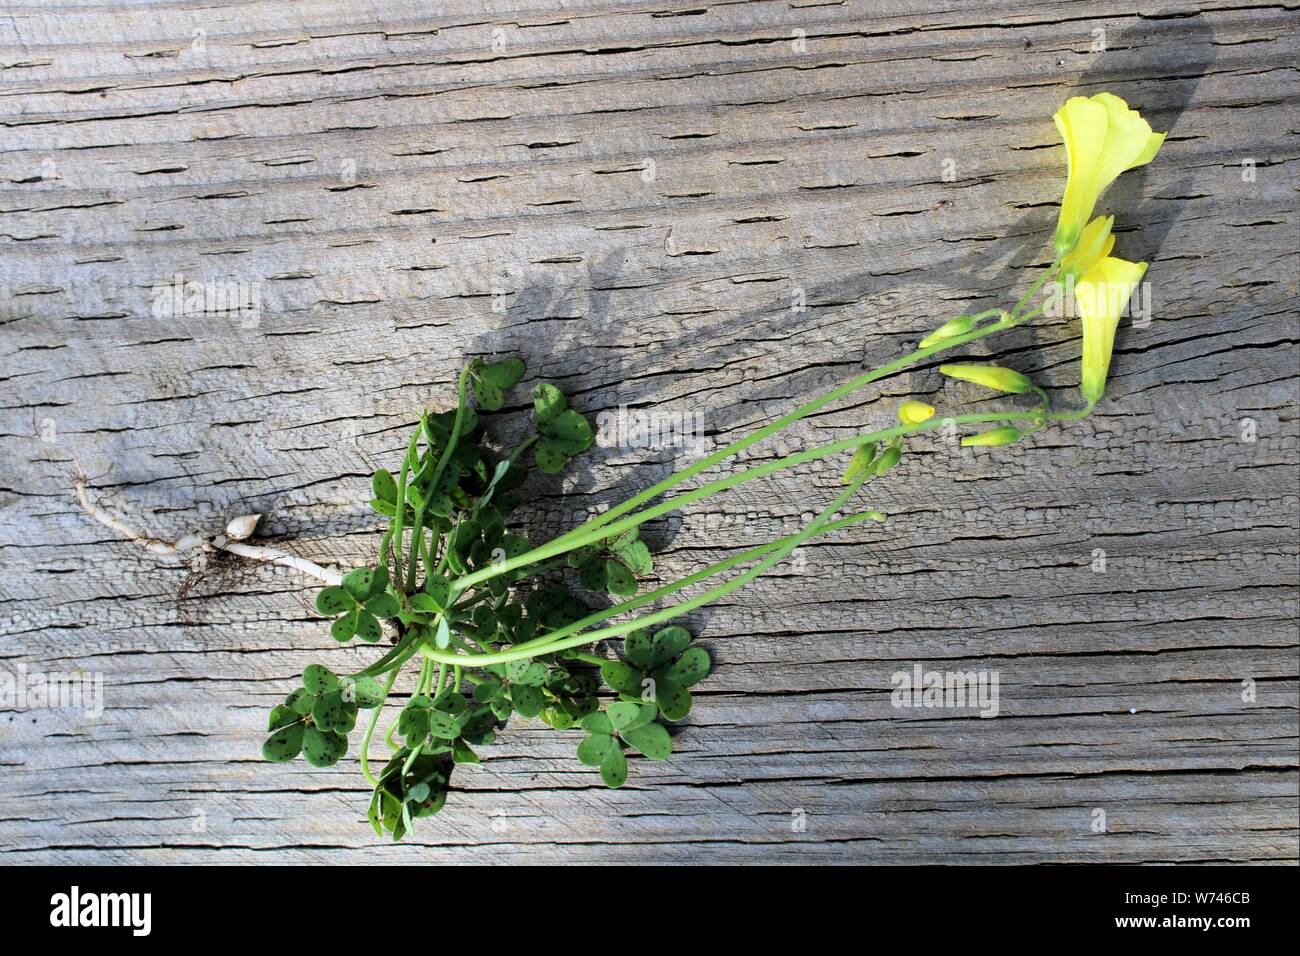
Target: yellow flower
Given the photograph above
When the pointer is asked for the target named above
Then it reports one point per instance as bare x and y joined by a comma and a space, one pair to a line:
1095, 243
1101, 296
912, 412
1103, 137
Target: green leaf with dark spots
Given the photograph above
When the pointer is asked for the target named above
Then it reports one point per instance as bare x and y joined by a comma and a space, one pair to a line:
384, 486
621, 677
300, 700
621, 581
550, 456
639, 649
334, 600
597, 723
668, 643
282, 716
360, 582
674, 701
548, 402
383, 605
503, 374
613, 769
317, 679
651, 739
345, 628
442, 726
489, 396
284, 744
528, 701
365, 691
323, 748
368, 628
593, 749
691, 668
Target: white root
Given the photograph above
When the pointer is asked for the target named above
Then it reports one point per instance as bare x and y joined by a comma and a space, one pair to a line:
283, 558
237, 530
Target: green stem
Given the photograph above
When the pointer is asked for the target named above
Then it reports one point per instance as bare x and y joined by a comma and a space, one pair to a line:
400, 517
615, 630
770, 429
1048, 273
586, 658
401, 652
417, 547
704, 573
1076, 415
455, 429
561, 545
370, 730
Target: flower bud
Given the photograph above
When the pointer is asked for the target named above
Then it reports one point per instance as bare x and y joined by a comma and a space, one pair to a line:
887, 460
1004, 435
990, 376
862, 457
912, 412
950, 329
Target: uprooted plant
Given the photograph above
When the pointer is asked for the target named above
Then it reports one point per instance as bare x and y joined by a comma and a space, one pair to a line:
487, 617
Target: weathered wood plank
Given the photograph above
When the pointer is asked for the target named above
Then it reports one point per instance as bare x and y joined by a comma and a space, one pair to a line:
647, 188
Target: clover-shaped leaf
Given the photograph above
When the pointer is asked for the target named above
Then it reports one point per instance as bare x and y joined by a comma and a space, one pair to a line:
490, 380
650, 739
625, 716
622, 677
332, 712
632, 552
691, 668
281, 716
413, 722
384, 488
323, 748
548, 402
365, 583
526, 672
635, 724
527, 699
443, 726
334, 600
613, 566
604, 751
619, 579
317, 679
598, 723
436, 595
364, 691
301, 699
360, 601
662, 663
563, 431
284, 744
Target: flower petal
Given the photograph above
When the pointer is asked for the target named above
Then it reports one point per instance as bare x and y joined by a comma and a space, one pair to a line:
1101, 296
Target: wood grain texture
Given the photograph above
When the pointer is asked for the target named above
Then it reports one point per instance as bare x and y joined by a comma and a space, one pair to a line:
384, 170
